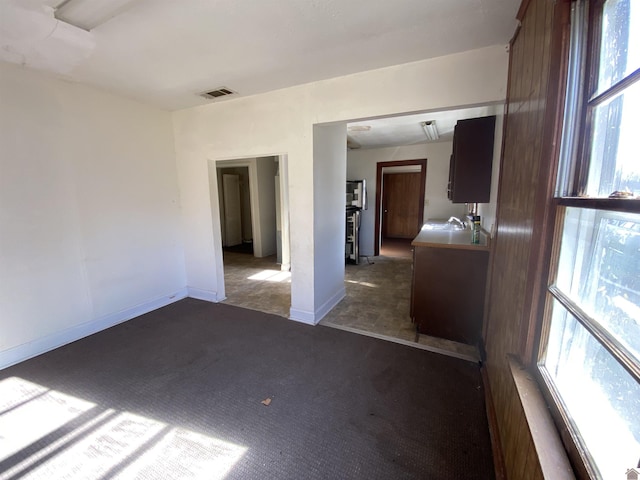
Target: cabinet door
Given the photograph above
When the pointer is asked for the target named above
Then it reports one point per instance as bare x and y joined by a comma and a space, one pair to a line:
448, 292
472, 160
452, 167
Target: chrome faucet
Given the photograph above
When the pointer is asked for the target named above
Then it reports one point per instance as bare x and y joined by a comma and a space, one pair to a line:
458, 221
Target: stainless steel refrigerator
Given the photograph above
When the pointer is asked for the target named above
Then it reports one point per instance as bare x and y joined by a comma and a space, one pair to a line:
356, 201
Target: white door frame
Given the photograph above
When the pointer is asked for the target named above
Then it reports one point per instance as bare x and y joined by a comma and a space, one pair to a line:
283, 170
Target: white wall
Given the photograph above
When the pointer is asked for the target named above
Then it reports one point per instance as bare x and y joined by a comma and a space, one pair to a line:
329, 177
89, 212
215, 254
266, 169
281, 122
363, 164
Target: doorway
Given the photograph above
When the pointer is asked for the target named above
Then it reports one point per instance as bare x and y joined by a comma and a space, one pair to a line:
235, 209
253, 216
400, 189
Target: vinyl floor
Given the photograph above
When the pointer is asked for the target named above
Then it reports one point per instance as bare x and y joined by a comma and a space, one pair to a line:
378, 293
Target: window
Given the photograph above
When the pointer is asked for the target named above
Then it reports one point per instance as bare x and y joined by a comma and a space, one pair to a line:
589, 356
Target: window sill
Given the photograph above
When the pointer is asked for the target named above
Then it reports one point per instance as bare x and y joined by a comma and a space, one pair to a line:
615, 204
552, 456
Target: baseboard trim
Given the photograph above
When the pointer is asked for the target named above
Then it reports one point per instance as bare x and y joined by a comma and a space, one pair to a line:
329, 304
313, 318
302, 316
206, 295
494, 432
408, 343
42, 345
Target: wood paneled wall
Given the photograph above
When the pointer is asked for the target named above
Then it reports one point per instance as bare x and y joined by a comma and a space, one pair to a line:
525, 175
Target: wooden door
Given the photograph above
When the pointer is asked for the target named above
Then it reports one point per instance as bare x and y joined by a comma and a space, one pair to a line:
401, 205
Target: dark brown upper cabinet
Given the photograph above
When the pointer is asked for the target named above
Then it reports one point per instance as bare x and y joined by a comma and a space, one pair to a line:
471, 161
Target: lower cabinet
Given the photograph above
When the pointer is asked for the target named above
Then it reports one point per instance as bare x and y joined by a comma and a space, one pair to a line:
447, 297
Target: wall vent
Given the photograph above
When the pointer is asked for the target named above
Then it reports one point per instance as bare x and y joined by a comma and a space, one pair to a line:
218, 92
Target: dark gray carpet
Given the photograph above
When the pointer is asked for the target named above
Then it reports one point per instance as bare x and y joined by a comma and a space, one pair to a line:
343, 405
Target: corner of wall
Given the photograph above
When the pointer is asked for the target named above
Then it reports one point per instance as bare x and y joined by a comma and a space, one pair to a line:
206, 295
313, 318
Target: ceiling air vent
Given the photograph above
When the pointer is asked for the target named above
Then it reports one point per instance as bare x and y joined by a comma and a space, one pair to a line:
217, 93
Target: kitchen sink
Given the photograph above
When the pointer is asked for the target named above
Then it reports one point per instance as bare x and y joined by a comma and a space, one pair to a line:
442, 226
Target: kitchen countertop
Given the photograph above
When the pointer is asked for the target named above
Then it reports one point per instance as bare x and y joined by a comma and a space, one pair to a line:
460, 239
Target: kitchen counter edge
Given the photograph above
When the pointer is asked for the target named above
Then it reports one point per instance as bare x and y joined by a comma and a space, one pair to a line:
460, 239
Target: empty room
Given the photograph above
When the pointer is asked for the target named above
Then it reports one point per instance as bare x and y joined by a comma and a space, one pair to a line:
323, 239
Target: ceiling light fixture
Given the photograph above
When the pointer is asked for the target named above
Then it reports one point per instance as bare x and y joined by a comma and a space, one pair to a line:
89, 14
430, 130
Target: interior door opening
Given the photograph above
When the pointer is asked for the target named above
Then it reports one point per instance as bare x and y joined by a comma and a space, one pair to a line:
235, 209
400, 194
253, 215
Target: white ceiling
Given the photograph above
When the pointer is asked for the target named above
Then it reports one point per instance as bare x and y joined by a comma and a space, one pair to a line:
165, 52
407, 130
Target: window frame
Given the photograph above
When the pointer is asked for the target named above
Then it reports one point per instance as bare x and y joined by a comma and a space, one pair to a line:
553, 228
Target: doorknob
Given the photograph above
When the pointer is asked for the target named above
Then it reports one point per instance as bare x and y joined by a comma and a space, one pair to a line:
386, 211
